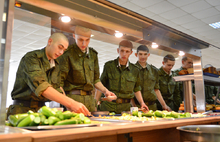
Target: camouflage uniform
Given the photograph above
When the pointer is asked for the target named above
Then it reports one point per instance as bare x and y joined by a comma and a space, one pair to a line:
149, 81
122, 82
80, 71
34, 75
169, 90
210, 91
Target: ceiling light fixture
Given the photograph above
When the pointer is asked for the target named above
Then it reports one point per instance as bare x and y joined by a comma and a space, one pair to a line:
154, 45
65, 19
118, 34
215, 25
17, 4
181, 53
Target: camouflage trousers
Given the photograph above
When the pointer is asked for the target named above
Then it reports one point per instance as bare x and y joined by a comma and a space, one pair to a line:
17, 109
114, 107
150, 107
87, 100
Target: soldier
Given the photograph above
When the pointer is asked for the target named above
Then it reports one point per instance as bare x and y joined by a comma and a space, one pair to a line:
80, 70
149, 80
168, 87
187, 62
38, 79
121, 77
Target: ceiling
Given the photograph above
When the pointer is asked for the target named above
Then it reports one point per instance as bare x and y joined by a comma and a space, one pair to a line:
31, 31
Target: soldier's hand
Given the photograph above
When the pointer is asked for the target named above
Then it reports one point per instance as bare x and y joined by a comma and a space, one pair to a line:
167, 108
144, 106
79, 108
110, 96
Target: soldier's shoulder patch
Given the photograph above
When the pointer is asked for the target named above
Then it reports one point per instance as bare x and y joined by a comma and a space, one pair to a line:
92, 49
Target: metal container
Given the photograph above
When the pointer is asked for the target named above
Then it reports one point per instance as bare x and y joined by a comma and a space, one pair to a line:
199, 133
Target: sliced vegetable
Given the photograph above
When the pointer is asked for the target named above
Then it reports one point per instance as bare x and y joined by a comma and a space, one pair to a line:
46, 111
52, 120
67, 122
26, 121
13, 120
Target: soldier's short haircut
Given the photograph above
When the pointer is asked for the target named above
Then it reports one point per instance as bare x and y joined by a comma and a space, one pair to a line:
142, 48
184, 58
126, 43
168, 57
79, 29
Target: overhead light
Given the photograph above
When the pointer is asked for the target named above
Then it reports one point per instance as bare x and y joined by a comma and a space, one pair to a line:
92, 36
65, 19
118, 34
215, 25
4, 17
181, 53
154, 45
17, 4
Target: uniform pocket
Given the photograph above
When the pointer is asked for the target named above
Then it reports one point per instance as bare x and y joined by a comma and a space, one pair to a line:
130, 83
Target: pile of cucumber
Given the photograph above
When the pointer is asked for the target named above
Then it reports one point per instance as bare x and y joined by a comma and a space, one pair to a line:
162, 114
47, 116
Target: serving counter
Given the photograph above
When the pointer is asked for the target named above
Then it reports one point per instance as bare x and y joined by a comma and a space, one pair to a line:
152, 131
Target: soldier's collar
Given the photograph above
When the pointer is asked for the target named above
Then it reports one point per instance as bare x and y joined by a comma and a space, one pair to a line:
165, 73
80, 53
127, 65
147, 66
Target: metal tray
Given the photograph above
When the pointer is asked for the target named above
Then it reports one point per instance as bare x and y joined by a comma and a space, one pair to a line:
110, 120
38, 128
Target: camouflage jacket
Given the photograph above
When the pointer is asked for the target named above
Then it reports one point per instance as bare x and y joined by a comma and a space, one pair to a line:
123, 82
149, 81
79, 70
168, 87
34, 75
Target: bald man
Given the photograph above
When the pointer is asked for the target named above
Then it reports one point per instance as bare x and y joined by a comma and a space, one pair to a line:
38, 79
80, 70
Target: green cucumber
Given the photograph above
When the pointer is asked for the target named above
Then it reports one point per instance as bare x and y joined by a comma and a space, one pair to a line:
81, 116
59, 114
187, 114
175, 114
54, 109
87, 120
26, 121
74, 114
148, 114
52, 120
35, 122
67, 114
46, 122
135, 113
46, 111
22, 115
67, 122
159, 113
13, 120
42, 119
30, 112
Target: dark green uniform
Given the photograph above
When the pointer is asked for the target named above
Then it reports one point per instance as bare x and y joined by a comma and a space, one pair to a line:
34, 75
149, 81
169, 90
210, 91
123, 81
80, 71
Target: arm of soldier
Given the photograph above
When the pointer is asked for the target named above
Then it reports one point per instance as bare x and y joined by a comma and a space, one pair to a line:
101, 88
133, 103
108, 94
140, 100
52, 94
161, 100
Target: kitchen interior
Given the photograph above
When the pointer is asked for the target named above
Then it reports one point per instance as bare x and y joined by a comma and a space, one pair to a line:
31, 30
